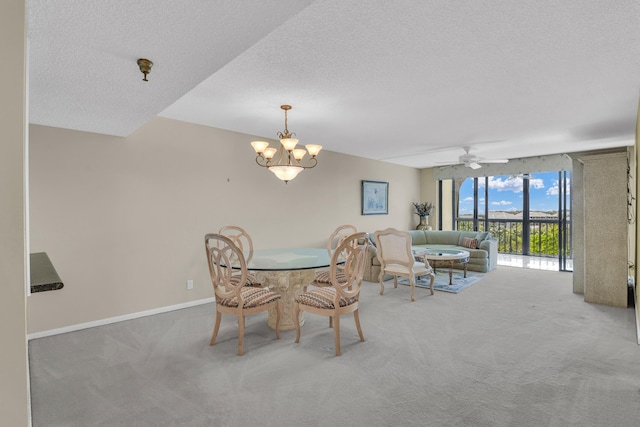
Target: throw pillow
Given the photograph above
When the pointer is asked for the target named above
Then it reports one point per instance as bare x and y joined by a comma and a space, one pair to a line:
470, 243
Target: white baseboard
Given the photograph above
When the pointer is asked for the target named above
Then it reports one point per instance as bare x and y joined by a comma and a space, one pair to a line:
116, 319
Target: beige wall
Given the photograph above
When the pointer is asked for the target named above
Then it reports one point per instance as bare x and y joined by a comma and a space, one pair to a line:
123, 219
14, 390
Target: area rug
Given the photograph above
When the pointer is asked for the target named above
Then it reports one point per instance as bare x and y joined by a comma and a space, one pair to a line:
442, 281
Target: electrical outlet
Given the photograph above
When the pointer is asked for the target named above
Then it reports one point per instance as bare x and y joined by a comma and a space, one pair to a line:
189, 284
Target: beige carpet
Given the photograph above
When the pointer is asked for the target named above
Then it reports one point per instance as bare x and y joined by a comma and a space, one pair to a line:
516, 349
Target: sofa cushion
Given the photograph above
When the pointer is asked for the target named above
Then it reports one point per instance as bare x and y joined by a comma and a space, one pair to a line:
418, 237
477, 253
441, 237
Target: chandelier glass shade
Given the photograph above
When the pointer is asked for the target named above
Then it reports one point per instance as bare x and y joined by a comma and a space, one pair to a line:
286, 161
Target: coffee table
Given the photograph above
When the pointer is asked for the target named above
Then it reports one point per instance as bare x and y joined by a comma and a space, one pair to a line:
446, 257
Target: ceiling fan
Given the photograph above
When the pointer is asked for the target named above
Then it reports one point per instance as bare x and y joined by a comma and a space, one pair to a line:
474, 162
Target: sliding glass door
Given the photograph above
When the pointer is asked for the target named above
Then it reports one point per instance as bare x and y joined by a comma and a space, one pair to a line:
529, 214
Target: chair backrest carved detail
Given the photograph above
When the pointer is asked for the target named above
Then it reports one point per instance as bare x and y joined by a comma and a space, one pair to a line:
349, 260
240, 238
338, 235
221, 253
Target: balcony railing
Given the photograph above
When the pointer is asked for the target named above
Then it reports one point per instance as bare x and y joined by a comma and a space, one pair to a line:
543, 236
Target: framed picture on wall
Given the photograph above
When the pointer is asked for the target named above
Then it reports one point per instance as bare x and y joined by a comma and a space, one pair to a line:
375, 198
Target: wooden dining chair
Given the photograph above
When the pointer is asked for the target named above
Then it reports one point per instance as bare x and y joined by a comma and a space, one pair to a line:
343, 295
242, 240
335, 239
322, 279
231, 293
396, 259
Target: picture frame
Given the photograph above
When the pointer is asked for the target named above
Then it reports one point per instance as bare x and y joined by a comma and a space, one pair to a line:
375, 198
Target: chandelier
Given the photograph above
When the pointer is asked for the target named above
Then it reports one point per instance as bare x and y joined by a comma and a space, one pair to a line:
286, 161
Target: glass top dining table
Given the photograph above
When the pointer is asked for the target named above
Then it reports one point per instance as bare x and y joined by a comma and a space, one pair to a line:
288, 259
287, 271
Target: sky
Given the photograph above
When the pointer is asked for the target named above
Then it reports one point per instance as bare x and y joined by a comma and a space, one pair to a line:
505, 193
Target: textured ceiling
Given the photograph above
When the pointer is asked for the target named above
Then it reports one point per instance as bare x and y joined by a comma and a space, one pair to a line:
410, 82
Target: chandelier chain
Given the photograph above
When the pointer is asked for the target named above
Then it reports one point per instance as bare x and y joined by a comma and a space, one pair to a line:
286, 133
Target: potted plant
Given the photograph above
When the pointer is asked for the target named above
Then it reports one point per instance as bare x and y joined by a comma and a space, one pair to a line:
423, 210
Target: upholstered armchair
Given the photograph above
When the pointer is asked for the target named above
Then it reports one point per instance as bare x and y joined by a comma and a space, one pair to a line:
396, 259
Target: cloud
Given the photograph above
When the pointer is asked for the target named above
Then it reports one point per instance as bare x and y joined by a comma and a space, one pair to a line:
554, 190
514, 184
536, 183
468, 199
502, 203
500, 184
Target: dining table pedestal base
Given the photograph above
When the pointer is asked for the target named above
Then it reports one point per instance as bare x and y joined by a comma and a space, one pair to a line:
288, 284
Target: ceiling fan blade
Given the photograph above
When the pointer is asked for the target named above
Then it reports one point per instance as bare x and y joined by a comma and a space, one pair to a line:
494, 161
474, 165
